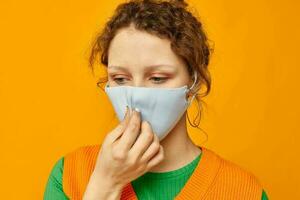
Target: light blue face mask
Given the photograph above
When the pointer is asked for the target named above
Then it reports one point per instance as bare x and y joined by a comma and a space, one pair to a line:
161, 107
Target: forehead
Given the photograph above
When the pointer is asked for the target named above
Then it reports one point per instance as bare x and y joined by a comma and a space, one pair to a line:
131, 47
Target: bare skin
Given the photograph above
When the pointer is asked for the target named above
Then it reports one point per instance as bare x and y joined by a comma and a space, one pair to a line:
131, 55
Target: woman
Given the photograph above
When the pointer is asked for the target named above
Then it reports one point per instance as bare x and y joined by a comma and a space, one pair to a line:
157, 56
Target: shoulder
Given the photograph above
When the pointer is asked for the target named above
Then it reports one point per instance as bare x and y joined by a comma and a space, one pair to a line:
238, 173
83, 157
234, 171
78, 167
232, 177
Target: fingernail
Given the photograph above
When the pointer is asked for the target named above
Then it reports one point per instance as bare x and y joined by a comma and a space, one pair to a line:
137, 110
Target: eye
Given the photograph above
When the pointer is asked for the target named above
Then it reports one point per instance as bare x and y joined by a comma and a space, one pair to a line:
157, 79
119, 80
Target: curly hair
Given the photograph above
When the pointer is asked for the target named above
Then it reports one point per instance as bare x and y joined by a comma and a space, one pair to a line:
165, 19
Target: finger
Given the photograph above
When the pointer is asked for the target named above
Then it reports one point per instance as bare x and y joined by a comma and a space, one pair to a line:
131, 132
152, 150
143, 141
156, 159
120, 128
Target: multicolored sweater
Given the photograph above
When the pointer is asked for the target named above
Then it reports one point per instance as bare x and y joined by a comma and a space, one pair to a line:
212, 178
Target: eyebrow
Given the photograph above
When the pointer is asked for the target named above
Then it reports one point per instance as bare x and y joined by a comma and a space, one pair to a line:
151, 67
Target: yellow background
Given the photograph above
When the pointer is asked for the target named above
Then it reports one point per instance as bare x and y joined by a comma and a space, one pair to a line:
50, 105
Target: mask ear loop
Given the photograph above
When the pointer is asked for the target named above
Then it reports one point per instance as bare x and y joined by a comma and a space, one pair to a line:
195, 77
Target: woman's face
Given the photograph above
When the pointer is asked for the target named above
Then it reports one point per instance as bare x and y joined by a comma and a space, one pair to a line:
137, 58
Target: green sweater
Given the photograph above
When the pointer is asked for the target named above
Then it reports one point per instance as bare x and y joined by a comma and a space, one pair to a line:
151, 185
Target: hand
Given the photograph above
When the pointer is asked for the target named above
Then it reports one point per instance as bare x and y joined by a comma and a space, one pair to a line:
127, 152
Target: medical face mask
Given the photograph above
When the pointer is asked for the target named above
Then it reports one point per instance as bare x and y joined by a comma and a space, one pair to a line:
161, 107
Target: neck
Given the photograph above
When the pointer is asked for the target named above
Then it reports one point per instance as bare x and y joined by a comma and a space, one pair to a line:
179, 149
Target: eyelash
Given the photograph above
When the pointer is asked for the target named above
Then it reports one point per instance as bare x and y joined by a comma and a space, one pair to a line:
162, 79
